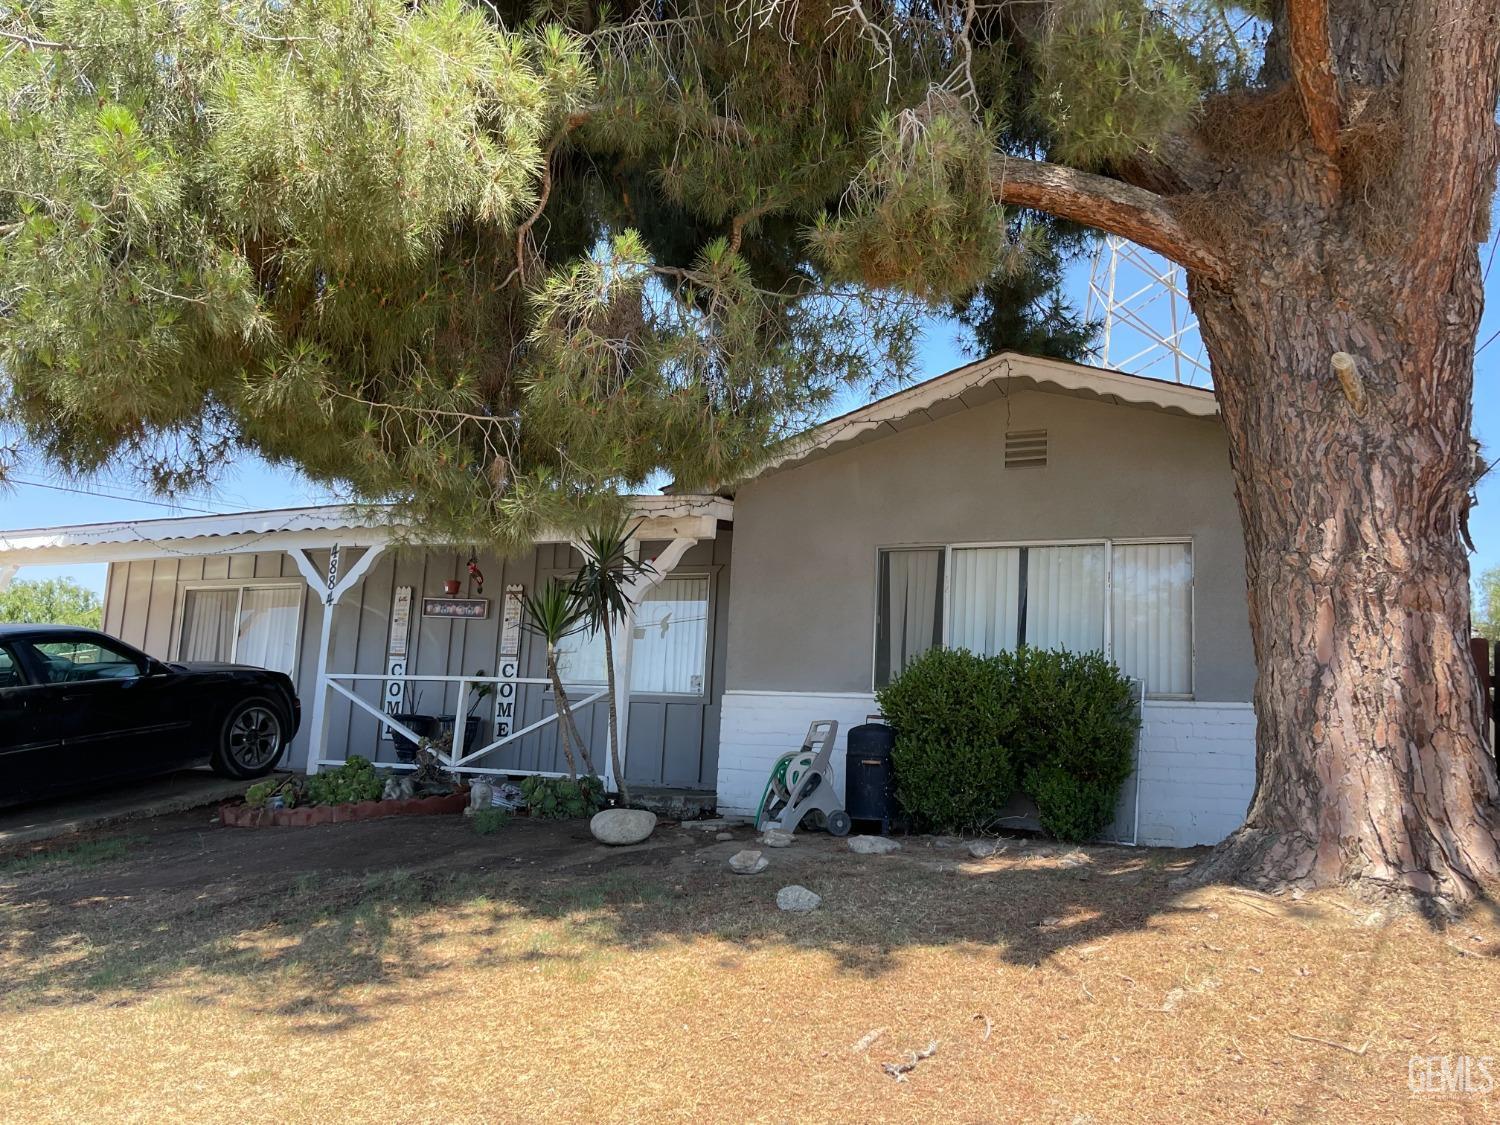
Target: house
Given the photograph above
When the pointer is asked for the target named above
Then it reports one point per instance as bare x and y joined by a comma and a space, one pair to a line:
1013, 500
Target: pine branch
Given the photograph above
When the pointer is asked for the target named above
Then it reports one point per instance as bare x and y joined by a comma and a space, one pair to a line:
31, 42
1105, 205
1316, 82
1450, 139
1312, 70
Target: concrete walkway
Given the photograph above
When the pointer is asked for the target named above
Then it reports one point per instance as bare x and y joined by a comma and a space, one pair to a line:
62, 816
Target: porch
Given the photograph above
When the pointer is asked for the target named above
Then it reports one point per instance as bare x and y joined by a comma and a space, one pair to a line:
364, 623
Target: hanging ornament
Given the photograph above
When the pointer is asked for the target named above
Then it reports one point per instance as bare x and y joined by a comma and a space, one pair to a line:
476, 575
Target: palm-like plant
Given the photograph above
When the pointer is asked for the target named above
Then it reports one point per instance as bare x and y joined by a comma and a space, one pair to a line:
602, 588
554, 613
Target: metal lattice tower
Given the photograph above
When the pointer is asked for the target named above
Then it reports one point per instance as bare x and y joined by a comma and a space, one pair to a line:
1149, 328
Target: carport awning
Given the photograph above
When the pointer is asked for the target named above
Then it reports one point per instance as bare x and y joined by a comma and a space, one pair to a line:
291, 529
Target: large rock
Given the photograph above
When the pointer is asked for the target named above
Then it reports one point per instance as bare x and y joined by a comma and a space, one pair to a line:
797, 899
748, 862
622, 826
872, 845
776, 838
983, 849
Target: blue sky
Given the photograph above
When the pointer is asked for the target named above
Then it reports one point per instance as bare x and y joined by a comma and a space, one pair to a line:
251, 484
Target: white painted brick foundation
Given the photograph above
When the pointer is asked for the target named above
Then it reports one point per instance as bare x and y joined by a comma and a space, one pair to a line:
1197, 767
1197, 760
757, 727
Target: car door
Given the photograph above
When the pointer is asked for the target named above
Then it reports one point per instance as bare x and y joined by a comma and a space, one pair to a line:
30, 747
114, 707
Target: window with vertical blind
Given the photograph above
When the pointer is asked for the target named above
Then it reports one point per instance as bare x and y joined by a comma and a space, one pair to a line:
909, 612
256, 625
1131, 601
669, 645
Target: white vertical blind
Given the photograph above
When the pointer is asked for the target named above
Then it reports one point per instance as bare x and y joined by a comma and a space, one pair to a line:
1152, 615
1065, 597
984, 603
267, 635
669, 650
580, 659
910, 609
208, 624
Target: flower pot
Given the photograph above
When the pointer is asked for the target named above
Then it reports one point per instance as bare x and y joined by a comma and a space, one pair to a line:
451, 587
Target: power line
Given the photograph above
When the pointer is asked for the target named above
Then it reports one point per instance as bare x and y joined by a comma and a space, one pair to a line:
23, 482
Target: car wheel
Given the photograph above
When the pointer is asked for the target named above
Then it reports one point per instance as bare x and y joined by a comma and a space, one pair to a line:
251, 740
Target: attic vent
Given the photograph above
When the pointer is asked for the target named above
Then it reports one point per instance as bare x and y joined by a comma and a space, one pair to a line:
1025, 449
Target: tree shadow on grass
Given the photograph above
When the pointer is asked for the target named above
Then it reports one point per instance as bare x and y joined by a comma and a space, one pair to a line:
314, 935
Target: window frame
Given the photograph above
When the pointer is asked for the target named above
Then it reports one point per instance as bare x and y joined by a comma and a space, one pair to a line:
945, 627
240, 585
709, 572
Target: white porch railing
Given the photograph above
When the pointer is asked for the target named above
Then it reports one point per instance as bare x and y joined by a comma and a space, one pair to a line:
456, 759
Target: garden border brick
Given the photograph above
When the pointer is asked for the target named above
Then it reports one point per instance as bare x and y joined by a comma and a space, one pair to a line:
239, 815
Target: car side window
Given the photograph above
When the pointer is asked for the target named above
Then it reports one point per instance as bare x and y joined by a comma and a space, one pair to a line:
10, 675
79, 661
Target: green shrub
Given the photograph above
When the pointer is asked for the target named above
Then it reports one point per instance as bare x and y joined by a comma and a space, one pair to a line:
259, 793
487, 822
954, 717
355, 780
973, 730
558, 798
1076, 734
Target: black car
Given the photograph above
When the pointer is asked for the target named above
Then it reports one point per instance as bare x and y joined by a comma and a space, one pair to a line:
79, 709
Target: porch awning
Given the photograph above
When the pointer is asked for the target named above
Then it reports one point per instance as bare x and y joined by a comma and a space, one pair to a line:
284, 529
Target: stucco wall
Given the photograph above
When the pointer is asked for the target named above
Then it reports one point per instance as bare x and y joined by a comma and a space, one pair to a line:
806, 538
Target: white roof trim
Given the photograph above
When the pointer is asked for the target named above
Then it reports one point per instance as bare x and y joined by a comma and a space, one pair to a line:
999, 373
288, 528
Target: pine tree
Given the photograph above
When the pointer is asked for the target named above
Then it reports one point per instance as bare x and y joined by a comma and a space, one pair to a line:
498, 264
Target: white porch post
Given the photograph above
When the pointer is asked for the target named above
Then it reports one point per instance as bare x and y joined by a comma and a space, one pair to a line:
7, 572
332, 589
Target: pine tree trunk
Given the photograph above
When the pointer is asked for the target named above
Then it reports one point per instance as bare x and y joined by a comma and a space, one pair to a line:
1373, 770
614, 719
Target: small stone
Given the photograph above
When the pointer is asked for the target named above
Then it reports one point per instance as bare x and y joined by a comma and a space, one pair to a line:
776, 838
748, 862
722, 836
1049, 923
797, 899
872, 845
983, 849
946, 841
622, 826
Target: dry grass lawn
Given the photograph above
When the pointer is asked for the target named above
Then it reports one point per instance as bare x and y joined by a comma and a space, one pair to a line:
396, 971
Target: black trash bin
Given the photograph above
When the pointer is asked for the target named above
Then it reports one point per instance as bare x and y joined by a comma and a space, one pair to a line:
869, 778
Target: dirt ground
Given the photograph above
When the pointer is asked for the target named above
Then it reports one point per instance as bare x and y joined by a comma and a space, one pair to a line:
411, 970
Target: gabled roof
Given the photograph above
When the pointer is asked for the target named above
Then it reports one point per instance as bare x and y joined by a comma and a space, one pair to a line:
985, 381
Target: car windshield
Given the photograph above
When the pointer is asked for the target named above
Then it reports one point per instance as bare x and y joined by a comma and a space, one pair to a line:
74, 661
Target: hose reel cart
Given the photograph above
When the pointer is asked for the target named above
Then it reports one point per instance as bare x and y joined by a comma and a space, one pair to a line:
801, 785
